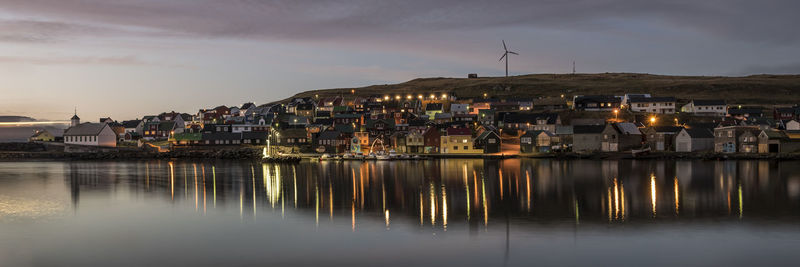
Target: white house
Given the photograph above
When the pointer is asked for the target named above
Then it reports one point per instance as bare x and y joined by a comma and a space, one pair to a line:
457, 108
91, 134
626, 99
706, 108
694, 139
793, 125
655, 105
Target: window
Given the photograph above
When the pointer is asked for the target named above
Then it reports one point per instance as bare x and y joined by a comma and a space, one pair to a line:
455, 147
730, 134
466, 147
492, 140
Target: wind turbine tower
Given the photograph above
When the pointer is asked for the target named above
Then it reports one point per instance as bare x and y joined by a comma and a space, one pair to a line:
505, 55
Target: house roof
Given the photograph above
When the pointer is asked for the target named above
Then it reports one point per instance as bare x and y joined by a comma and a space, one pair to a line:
486, 134
627, 128
532, 133
700, 132
708, 102
254, 135
459, 131
248, 105
551, 118
433, 106
598, 98
771, 134
344, 128
346, 116
88, 128
588, 129
329, 135
221, 136
741, 111
131, 123
166, 126
75, 117
564, 129
587, 121
293, 133
666, 129
442, 116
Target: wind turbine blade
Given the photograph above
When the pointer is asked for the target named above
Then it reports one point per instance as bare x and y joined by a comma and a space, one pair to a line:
504, 45
515, 53
504, 55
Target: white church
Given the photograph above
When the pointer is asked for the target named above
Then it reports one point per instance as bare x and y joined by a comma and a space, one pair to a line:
89, 134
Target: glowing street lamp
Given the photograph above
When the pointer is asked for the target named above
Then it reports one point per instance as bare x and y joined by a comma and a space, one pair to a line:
616, 112
652, 120
420, 96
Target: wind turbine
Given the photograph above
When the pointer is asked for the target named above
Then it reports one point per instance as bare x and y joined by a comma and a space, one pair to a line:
505, 55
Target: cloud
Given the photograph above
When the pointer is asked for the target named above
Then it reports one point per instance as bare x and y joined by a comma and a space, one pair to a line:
755, 21
124, 60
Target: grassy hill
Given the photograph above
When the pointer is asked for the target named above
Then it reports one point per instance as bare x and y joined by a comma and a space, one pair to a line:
755, 89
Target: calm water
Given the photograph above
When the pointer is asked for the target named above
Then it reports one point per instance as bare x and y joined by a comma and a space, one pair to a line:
426, 213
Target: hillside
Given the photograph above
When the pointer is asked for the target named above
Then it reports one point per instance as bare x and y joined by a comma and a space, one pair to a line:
756, 89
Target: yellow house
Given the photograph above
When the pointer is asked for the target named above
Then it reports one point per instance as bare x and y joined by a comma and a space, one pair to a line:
458, 141
42, 136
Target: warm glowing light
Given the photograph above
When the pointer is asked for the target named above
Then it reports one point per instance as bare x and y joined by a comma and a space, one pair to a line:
397, 97
433, 96
741, 209
409, 97
444, 96
652, 120
466, 186
420, 96
653, 193
386, 97
677, 196
444, 207
433, 204
387, 219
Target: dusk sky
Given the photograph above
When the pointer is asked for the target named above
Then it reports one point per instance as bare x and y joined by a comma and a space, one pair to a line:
126, 58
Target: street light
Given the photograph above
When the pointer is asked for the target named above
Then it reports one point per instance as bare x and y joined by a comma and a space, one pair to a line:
652, 120
616, 111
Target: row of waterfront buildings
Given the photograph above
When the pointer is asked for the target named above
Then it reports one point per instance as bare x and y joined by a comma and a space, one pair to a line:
443, 123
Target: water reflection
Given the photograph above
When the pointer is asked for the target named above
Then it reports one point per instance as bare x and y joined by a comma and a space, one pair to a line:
445, 193
408, 213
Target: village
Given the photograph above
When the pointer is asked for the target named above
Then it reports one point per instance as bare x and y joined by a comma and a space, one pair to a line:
443, 124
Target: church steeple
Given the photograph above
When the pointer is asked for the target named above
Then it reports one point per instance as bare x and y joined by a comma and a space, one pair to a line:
75, 119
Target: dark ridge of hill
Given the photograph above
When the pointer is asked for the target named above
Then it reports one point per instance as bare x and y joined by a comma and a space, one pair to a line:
15, 118
755, 89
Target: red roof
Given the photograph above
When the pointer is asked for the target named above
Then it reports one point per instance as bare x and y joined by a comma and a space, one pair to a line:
459, 131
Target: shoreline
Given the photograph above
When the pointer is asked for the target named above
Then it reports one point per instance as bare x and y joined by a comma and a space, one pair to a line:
251, 154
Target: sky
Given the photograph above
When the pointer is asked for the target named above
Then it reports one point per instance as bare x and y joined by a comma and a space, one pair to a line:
126, 59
